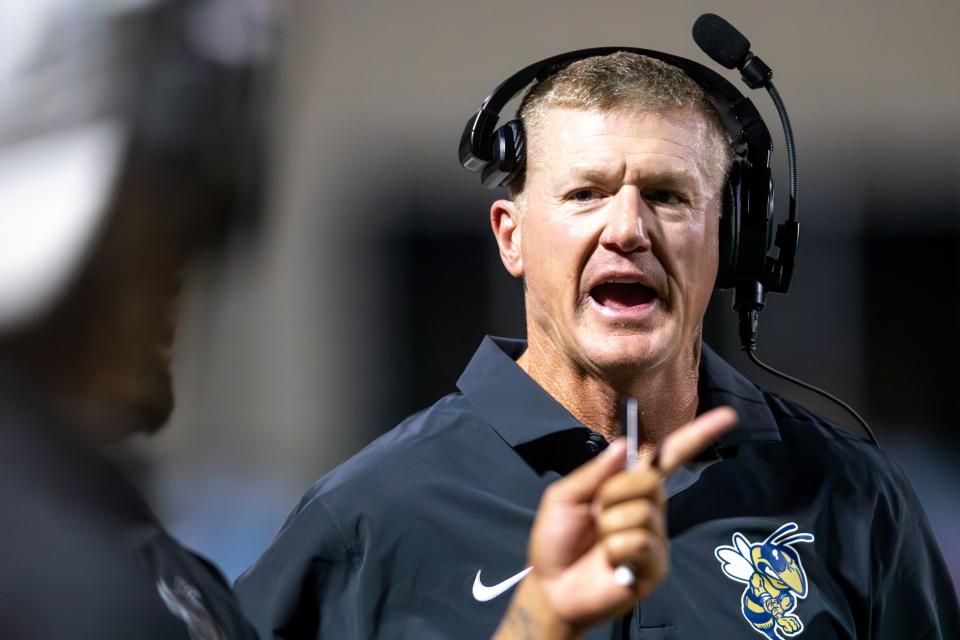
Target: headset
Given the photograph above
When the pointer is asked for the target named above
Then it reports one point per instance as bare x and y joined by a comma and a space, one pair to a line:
746, 222
746, 236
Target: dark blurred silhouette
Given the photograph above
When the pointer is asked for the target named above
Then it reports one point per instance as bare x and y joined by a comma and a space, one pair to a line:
128, 145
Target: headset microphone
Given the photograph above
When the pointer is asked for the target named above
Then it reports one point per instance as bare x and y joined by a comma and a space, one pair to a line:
728, 47
721, 41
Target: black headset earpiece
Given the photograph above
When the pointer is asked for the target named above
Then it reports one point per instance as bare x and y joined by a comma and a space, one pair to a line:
507, 155
729, 229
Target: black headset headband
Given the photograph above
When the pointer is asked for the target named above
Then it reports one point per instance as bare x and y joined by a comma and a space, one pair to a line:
748, 133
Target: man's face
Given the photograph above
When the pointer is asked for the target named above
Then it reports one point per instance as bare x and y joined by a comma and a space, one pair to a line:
127, 307
124, 307
618, 237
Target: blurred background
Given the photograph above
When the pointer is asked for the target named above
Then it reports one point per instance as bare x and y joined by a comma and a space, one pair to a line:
376, 276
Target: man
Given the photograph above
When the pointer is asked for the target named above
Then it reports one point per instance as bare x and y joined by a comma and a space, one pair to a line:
788, 525
124, 150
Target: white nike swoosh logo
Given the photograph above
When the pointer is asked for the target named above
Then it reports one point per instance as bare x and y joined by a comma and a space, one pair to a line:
483, 594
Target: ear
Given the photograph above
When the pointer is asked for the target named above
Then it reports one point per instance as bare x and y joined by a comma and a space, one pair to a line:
505, 222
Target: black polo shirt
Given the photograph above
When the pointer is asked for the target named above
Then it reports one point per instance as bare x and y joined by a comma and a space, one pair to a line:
789, 525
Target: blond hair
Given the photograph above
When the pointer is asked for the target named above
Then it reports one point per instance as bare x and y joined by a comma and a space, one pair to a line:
625, 81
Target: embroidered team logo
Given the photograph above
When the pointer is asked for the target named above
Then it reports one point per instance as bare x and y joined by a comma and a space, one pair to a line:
774, 577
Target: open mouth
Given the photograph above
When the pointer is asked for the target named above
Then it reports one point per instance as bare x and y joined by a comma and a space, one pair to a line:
622, 295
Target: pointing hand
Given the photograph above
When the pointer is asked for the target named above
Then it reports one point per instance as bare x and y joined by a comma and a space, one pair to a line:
592, 521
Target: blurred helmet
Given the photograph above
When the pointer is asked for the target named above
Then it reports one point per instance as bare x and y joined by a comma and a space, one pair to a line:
89, 88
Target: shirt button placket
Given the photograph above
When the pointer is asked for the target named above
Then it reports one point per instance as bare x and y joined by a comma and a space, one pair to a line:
595, 443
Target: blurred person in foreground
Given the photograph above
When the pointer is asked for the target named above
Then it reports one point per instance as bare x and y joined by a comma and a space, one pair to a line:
128, 138
787, 525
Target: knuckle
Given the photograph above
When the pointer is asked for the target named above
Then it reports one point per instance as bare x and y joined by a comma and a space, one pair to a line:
632, 485
641, 512
639, 543
614, 489
624, 545
608, 522
646, 480
638, 513
605, 492
550, 493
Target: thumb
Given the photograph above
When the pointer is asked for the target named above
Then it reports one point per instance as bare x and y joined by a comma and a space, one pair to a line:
584, 482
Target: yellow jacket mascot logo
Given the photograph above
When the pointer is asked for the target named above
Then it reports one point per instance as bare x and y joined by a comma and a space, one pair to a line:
774, 577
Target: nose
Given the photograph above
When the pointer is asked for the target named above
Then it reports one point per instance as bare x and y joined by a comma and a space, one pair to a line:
625, 230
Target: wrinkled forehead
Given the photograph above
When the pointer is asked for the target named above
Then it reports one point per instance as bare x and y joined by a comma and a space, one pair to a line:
676, 141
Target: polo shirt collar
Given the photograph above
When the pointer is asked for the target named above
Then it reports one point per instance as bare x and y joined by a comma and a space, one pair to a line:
721, 384
505, 396
521, 411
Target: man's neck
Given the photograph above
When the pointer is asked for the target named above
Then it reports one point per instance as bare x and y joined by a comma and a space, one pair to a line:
667, 394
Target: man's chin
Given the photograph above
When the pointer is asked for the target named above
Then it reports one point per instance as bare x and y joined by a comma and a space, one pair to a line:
154, 404
152, 418
122, 406
629, 353
111, 421
144, 407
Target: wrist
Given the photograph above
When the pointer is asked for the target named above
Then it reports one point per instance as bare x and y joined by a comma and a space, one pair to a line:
531, 617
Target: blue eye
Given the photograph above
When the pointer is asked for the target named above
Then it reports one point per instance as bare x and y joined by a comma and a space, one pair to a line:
663, 196
584, 195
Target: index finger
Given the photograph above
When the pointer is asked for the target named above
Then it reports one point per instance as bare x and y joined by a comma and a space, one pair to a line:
685, 443
582, 483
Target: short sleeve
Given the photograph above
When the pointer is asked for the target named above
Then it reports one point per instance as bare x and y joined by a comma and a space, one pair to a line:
303, 586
